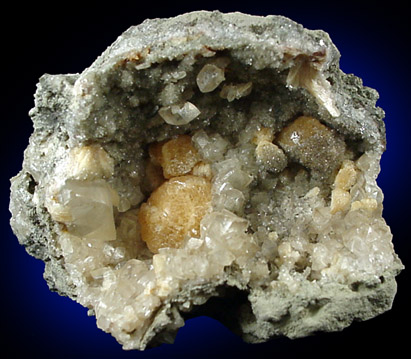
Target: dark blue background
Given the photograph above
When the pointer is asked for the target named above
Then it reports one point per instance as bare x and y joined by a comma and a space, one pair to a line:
66, 38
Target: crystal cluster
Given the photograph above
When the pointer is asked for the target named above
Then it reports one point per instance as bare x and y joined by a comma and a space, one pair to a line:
210, 155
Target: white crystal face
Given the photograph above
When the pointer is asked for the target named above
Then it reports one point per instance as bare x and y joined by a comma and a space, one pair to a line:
177, 177
179, 114
209, 78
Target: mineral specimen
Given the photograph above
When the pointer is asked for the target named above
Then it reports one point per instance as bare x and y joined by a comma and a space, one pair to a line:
210, 156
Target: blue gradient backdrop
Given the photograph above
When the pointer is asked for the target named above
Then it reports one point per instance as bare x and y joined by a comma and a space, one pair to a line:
374, 43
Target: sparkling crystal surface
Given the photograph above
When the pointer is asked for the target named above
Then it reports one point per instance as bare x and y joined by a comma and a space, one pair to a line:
203, 154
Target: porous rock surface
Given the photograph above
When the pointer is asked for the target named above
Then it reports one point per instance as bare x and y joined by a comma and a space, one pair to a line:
216, 164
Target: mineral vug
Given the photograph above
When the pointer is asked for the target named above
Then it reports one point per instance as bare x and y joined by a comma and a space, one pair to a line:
210, 155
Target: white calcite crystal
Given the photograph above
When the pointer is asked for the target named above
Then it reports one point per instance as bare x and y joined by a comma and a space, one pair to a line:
209, 77
179, 114
210, 155
236, 91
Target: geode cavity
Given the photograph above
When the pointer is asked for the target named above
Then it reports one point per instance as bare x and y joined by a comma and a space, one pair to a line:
210, 155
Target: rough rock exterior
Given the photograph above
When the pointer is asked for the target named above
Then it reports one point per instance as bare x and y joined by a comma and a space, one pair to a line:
208, 159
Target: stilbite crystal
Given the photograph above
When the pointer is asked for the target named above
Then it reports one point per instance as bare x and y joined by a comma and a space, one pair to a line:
312, 144
174, 212
203, 156
177, 156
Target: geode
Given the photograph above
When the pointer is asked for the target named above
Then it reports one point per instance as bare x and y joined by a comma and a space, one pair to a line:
217, 164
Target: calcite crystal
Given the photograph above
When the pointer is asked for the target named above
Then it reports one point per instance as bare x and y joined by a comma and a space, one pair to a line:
207, 158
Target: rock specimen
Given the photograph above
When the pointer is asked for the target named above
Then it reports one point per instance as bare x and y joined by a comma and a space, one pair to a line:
208, 159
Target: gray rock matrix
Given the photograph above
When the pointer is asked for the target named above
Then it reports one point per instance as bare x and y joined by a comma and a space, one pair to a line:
114, 104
